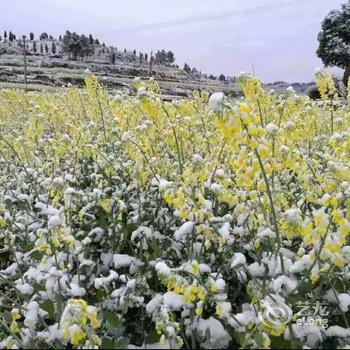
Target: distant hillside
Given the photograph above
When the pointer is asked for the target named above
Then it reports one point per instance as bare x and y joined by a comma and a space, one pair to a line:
75, 47
302, 88
55, 62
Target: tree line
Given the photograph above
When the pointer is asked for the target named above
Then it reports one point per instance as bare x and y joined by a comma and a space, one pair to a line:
76, 45
9, 36
80, 45
164, 57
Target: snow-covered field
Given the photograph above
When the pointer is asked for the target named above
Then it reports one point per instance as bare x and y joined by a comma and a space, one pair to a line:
133, 222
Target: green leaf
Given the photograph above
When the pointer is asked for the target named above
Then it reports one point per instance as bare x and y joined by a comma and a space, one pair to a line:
112, 318
280, 343
239, 338
97, 297
128, 230
122, 343
49, 307
100, 295
107, 344
36, 255
259, 339
7, 316
152, 337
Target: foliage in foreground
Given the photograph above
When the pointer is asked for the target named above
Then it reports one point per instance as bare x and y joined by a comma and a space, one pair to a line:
136, 221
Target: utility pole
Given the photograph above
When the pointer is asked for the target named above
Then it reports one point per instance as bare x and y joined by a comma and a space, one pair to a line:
253, 68
25, 62
150, 64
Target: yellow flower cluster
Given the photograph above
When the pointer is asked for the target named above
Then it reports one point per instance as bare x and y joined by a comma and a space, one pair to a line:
78, 322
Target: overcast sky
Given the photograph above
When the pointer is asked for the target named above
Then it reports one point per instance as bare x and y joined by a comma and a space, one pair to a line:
280, 43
